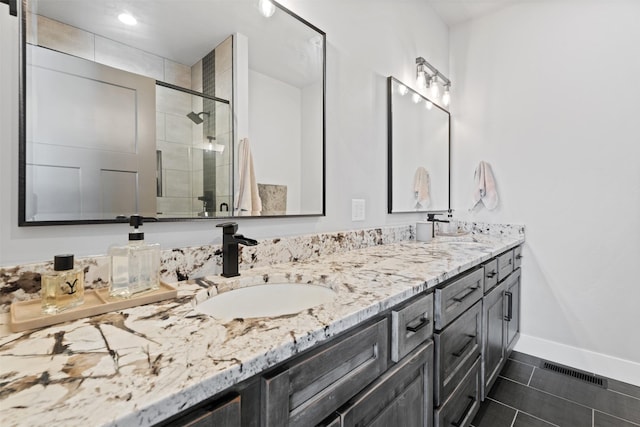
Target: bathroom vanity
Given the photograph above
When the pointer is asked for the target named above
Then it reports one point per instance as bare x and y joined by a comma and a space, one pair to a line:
410, 326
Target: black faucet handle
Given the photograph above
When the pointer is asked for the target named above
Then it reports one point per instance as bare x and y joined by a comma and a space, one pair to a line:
228, 227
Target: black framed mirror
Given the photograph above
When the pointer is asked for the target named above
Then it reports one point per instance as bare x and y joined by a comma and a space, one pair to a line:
418, 152
202, 109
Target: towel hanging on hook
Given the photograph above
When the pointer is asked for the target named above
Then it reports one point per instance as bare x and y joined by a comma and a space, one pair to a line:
421, 188
485, 187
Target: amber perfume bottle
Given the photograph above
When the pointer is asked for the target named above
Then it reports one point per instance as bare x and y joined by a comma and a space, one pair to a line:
63, 288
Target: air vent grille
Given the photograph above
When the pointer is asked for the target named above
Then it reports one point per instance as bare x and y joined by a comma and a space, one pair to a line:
582, 376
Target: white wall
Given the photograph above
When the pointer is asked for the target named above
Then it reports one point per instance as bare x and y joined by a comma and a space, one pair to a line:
547, 92
366, 42
275, 120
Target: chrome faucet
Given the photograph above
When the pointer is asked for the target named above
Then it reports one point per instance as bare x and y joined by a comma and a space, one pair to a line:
230, 242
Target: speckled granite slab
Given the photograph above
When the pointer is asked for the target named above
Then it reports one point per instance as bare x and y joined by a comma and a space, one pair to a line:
22, 282
141, 365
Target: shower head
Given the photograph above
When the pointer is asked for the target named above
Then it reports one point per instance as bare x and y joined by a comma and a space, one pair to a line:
195, 117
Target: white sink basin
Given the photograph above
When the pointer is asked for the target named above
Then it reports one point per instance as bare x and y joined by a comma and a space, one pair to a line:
265, 301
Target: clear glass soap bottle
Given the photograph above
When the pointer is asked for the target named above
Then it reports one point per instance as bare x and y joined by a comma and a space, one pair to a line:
63, 288
135, 267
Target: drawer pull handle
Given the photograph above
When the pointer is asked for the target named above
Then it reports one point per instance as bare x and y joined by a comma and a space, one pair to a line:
460, 352
472, 401
422, 323
509, 315
519, 256
491, 274
466, 294
510, 260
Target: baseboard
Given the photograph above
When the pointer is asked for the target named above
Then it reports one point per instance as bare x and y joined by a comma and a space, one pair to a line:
597, 363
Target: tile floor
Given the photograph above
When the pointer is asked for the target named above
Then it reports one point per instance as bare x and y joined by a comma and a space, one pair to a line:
526, 395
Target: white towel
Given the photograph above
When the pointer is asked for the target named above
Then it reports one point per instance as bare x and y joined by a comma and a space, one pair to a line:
247, 198
421, 183
485, 187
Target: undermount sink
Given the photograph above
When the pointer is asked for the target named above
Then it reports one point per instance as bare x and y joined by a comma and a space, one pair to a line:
270, 300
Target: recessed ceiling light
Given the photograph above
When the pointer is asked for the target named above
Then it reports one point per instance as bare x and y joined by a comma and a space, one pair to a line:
128, 19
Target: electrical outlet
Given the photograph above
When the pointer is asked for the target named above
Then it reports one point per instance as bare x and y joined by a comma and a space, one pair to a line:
357, 209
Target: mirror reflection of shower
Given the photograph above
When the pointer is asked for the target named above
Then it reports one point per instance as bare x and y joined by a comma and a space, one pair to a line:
195, 117
213, 146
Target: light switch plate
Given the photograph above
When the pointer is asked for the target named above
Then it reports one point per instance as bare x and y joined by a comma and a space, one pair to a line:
357, 210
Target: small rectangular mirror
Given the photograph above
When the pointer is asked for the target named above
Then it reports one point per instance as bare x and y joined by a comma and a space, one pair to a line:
418, 152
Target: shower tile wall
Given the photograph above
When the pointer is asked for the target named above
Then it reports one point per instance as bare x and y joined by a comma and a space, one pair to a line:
217, 81
224, 89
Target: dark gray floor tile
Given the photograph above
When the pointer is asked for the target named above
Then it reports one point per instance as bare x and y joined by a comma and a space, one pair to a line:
493, 414
517, 371
525, 420
604, 420
628, 389
525, 358
622, 406
540, 404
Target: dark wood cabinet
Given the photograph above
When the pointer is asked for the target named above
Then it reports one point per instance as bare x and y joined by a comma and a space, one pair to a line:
400, 397
226, 413
309, 390
512, 303
493, 336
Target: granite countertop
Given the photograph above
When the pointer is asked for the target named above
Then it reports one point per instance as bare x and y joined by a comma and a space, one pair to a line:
141, 365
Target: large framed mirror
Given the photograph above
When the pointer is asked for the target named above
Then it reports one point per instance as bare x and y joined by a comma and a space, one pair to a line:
418, 152
198, 109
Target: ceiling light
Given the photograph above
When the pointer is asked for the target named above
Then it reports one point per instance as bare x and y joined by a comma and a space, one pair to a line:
267, 8
127, 18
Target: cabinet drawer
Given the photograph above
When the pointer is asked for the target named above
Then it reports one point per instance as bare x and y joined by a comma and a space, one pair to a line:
464, 402
505, 265
410, 326
456, 349
401, 396
453, 299
490, 275
311, 389
226, 413
517, 257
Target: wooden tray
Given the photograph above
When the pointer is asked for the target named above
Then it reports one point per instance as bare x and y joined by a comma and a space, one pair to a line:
27, 315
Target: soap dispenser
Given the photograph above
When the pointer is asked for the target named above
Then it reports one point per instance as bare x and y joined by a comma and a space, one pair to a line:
135, 267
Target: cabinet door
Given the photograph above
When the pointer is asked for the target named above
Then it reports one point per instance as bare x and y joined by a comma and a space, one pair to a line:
493, 336
512, 316
400, 397
225, 414
312, 388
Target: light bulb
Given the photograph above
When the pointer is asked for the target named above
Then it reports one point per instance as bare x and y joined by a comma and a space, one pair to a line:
266, 8
428, 105
416, 98
127, 18
402, 89
421, 81
446, 96
435, 90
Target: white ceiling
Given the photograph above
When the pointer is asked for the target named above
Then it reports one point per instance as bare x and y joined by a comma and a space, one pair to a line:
454, 12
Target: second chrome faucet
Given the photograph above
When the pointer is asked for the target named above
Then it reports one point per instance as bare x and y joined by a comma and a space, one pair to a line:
230, 241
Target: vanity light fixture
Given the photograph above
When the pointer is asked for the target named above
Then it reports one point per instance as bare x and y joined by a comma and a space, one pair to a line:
428, 77
267, 8
446, 96
127, 18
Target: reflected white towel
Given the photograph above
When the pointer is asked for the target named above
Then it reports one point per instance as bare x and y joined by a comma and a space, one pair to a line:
421, 188
485, 187
247, 198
